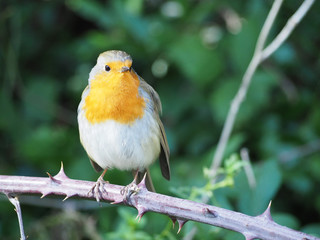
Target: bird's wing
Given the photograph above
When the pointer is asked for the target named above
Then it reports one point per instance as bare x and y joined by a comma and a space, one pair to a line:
95, 165
165, 152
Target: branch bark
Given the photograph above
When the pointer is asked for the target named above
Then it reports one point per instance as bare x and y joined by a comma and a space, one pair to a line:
179, 210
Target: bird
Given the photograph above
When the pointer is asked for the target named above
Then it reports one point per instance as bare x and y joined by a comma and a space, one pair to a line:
119, 121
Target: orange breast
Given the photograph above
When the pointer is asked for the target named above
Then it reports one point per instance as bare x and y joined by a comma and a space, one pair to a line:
114, 96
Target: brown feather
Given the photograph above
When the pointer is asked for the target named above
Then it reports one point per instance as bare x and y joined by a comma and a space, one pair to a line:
165, 152
95, 165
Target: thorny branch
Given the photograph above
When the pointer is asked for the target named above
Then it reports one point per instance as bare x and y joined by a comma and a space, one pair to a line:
179, 210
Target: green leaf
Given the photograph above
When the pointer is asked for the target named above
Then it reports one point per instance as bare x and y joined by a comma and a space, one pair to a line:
9, 120
268, 180
221, 98
286, 220
313, 229
258, 96
92, 10
44, 146
40, 99
199, 64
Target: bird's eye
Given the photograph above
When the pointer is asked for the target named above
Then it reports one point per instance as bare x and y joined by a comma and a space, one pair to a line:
107, 68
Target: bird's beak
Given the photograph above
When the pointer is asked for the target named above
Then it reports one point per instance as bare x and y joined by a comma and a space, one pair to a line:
124, 69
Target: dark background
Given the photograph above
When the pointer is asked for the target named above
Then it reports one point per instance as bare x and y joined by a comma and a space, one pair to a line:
194, 53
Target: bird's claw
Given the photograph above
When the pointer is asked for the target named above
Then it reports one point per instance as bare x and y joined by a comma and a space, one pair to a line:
129, 190
98, 189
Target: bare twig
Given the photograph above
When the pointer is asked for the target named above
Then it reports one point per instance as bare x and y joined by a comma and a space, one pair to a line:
180, 210
288, 28
267, 26
248, 167
259, 56
240, 96
15, 201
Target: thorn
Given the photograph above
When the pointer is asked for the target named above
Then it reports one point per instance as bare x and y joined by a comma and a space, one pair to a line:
209, 213
44, 195
142, 184
50, 176
174, 220
141, 212
267, 212
53, 179
181, 223
139, 217
61, 174
68, 196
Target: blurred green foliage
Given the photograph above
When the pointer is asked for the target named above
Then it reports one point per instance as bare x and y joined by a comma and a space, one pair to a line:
194, 53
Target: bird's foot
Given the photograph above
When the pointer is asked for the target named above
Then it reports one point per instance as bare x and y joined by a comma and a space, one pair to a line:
130, 189
98, 188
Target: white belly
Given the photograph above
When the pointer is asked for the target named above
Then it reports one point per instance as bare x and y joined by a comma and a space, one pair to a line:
115, 145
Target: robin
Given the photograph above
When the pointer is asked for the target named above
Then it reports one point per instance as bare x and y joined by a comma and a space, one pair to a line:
119, 121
